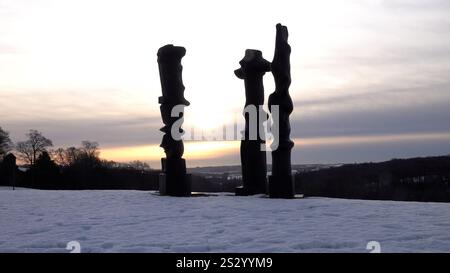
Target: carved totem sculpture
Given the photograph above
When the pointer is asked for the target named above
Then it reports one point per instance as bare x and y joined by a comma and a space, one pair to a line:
173, 181
281, 182
253, 158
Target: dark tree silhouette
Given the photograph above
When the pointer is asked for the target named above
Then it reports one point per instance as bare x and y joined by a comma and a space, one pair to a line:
90, 149
45, 171
88, 155
8, 170
59, 156
138, 165
5, 143
66, 156
72, 155
30, 149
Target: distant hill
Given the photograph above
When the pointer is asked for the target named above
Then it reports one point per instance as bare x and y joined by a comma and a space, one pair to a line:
413, 179
236, 169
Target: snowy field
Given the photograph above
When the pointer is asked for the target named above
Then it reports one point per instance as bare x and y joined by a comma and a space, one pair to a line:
135, 221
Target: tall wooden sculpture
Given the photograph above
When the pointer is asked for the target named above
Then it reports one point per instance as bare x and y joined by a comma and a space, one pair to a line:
281, 182
173, 181
253, 158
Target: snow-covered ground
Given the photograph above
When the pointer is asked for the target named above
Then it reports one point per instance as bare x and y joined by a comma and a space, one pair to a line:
135, 221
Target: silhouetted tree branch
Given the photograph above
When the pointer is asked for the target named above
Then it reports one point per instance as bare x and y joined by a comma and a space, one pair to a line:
5, 143
90, 149
30, 149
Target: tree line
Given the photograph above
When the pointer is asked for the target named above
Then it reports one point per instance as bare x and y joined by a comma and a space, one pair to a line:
71, 168
414, 179
37, 147
80, 168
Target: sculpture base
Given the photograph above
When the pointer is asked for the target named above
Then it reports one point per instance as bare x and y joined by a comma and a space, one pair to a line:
254, 168
242, 191
282, 186
174, 181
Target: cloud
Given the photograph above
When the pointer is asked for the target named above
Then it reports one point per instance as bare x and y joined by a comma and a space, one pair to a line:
417, 118
366, 152
417, 5
114, 132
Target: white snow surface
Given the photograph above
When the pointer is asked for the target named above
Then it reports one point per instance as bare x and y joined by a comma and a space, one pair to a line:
137, 221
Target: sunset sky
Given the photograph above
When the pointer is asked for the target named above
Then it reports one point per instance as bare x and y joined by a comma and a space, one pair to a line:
370, 79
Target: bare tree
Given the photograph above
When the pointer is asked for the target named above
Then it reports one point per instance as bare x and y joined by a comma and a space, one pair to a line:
72, 154
30, 149
59, 156
67, 156
139, 165
24, 152
5, 143
90, 149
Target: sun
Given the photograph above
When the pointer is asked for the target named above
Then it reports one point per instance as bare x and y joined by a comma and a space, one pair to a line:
206, 117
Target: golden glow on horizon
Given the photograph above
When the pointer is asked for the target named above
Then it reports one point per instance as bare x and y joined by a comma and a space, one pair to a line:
192, 150
143, 153
196, 150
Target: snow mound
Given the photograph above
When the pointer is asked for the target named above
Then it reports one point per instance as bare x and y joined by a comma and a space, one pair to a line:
136, 221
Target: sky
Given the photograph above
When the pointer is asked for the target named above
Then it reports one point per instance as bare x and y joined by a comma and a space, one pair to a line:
370, 78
